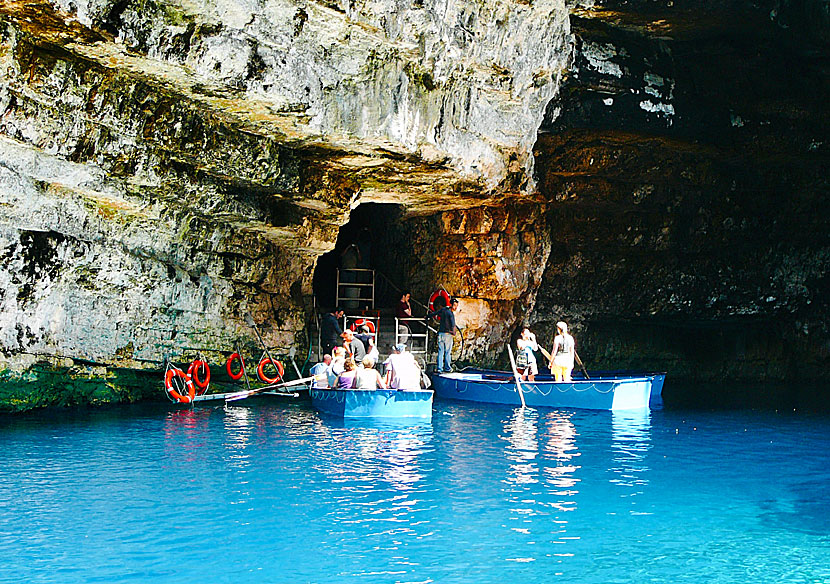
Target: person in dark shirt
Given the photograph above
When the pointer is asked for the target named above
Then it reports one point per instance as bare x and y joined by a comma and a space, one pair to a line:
330, 329
446, 331
404, 310
354, 347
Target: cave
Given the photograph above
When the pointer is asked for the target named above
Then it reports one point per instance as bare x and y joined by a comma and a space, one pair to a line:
653, 173
377, 231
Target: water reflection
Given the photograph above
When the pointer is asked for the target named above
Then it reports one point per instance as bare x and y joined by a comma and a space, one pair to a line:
520, 431
631, 441
186, 431
368, 451
373, 480
238, 427
541, 474
561, 447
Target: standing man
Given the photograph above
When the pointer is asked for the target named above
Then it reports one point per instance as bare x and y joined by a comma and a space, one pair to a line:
446, 331
330, 329
403, 310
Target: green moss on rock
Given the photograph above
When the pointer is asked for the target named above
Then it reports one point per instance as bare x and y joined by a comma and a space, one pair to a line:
44, 385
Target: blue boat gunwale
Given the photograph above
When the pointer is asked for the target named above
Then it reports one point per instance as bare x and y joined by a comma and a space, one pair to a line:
374, 403
379, 390
507, 377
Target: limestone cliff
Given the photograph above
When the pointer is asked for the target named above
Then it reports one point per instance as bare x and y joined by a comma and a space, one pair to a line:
167, 167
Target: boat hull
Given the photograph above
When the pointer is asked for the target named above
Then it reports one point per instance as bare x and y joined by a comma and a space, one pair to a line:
378, 404
658, 378
619, 393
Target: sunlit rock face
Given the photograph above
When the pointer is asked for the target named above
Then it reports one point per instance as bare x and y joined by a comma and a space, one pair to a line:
491, 258
685, 164
457, 83
166, 168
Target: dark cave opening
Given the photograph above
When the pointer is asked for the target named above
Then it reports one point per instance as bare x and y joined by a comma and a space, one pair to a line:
370, 240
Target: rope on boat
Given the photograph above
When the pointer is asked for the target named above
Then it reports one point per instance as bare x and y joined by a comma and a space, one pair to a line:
534, 388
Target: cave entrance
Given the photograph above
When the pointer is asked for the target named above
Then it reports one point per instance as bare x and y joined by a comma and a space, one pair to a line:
366, 242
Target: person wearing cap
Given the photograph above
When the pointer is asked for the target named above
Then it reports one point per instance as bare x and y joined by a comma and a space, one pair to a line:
446, 333
354, 347
368, 339
564, 349
402, 371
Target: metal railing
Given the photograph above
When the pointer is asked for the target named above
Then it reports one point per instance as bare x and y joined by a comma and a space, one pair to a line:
417, 342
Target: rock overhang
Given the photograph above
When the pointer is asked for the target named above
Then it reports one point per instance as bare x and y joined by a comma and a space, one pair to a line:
450, 109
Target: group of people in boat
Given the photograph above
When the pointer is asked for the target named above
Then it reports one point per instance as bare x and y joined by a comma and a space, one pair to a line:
358, 362
561, 357
341, 370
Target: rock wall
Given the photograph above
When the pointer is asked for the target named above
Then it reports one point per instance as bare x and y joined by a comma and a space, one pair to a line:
685, 164
167, 168
491, 258
652, 172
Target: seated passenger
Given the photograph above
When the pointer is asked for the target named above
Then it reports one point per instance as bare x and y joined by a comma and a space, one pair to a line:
346, 380
321, 372
373, 353
402, 371
368, 377
337, 365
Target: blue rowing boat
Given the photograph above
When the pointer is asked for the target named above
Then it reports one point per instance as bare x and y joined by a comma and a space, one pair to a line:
617, 392
379, 403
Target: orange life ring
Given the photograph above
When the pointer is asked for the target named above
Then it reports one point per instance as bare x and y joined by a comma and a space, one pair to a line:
260, 371
435, 295
360, 322
231, 359
193, 373
171, 389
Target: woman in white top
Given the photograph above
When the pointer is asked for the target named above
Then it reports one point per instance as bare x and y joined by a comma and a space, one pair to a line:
368, 377
527, 344
564, 348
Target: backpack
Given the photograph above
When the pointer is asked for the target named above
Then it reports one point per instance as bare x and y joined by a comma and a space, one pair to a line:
521, 360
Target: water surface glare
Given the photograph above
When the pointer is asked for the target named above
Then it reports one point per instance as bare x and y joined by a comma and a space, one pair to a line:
267, 491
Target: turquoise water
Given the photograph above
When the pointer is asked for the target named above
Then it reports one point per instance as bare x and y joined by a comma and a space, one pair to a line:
268, 491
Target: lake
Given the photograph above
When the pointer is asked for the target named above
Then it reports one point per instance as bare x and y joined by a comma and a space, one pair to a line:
267, 490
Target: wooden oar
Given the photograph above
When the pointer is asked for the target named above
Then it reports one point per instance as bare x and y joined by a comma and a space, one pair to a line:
579, 362
248, 393
516, 375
